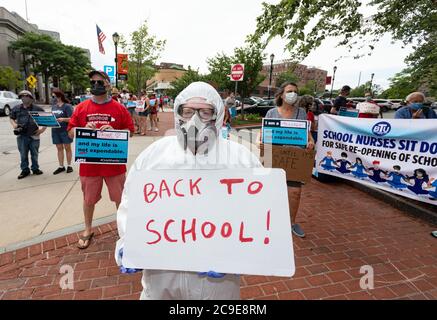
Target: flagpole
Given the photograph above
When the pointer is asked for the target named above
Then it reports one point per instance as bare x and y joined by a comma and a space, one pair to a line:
27, 16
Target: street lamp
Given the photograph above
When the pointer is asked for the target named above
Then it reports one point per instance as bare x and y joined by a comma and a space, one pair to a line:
116, 39
272, 57
333, 80
371, 84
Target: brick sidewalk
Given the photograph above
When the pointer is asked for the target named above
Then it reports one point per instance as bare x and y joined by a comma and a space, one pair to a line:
345, 228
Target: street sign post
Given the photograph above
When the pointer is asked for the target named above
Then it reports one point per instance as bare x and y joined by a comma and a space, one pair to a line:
237, 72
110, 71
31, 80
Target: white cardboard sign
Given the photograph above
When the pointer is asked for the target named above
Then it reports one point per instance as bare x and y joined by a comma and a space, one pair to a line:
228, 221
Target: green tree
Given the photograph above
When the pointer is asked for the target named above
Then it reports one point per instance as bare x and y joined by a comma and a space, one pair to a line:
188, 78
310, 88
401, 85
251, 55
305, 24
287, 76
51, 58
143, 49
9, 79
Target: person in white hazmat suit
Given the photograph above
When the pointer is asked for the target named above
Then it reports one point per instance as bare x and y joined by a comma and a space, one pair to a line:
199, 114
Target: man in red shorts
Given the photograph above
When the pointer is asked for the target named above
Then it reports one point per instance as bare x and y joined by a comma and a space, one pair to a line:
101, 112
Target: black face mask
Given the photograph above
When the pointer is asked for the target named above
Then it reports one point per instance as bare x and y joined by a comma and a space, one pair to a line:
98, 90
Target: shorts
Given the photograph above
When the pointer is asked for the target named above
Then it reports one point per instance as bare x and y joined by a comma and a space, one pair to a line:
92, 188
132, 111
61, 137
144, 114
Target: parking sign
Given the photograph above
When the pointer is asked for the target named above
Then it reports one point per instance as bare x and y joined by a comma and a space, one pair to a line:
110, 71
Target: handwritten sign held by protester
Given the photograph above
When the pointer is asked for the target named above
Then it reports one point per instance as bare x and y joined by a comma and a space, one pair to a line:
45, 119
285, 132
101, 147
228, 221
298, 163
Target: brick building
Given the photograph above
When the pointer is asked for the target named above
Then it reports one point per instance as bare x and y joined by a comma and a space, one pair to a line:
165, 75
302, 72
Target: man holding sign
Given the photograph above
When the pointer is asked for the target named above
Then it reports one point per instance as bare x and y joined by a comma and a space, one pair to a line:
101, 113
177, 183
28, 133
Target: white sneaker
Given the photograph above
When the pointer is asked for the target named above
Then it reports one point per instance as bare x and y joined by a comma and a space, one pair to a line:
156, 129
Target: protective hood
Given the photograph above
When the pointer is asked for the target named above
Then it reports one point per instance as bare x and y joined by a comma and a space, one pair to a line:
201, 90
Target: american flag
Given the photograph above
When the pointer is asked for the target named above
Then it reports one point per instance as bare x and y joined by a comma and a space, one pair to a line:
100, 38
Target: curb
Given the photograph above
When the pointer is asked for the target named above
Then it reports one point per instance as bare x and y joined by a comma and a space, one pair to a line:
57, 234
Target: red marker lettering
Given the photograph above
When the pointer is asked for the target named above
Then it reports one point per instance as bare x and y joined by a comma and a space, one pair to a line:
242, 238
212, 229
153, 231
194, 185
175, 191
150, 192
164, 187
255, 191
230, 182
226, 231
267, 239
191, 231
169, 222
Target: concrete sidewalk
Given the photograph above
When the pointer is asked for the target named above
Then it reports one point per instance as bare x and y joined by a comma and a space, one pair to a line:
49, 205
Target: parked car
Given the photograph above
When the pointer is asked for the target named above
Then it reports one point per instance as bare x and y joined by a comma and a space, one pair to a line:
384, 104
396, 103
250, 101
262, 107
323, 104
257, 99
8, 100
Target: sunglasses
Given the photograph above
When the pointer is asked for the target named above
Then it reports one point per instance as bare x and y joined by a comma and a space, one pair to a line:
99, 82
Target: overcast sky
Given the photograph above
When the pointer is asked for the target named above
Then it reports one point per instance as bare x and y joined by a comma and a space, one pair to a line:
195, 30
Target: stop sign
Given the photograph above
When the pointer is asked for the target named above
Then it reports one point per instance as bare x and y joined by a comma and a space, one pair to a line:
237, 72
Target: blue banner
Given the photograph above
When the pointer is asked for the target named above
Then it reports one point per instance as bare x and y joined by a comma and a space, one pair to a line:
285, 132
101, 147
45, 119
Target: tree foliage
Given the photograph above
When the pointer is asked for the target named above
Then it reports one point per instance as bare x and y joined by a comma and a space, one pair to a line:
52, 59
305, 24
189, 77
9, 79
287, 76
251, 55
143, 49
401, 85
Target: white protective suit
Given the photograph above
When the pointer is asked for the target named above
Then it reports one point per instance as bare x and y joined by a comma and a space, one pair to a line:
167, 153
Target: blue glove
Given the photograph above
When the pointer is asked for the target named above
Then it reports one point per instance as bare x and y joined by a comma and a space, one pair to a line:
126, 270
212, 274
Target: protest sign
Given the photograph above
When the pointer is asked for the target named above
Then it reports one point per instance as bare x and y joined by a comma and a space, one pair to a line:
228, 221
101, 147
345, 112
285, 132
298, 163
45, 119
367, 107
140, 106
396, 155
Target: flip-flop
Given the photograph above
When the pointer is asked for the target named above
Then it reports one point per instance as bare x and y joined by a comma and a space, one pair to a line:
85, 239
